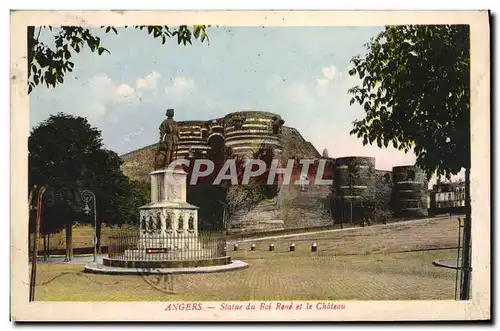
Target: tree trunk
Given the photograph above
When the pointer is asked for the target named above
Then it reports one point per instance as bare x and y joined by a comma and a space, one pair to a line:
30, 42
69, 241
98, 235
48, 244
45, 247
466, 255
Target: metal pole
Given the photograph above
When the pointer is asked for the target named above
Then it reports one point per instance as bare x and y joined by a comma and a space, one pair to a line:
351, 211
458, 256
95, 227
35, 244
86, 196
34, 249
466, 263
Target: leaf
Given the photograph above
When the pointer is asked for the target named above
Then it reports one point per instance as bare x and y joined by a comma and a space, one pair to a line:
102, 50
91, 45
196, 31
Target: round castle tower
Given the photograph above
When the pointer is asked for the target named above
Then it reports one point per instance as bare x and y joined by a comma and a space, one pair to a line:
242, 133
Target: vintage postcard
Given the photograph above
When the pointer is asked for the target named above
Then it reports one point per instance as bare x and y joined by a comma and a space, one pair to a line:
250, 166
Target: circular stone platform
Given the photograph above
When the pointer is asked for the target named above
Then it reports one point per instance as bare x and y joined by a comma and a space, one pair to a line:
163, 264
452, 264
103, 269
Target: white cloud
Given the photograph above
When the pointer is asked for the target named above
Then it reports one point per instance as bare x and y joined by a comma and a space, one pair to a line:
94, 110
332, 78
104, 92
332, 73
181, 85
148, 82
124, 90
104, 89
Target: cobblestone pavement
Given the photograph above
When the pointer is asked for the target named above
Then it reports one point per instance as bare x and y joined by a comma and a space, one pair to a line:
391, 263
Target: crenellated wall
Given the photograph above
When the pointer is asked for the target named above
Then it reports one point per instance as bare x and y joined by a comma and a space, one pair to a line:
241, 133
244, 131
193, 137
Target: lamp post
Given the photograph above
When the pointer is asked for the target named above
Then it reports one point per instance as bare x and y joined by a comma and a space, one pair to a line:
86, 196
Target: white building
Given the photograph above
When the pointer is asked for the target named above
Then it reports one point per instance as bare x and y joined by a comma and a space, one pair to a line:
449, 195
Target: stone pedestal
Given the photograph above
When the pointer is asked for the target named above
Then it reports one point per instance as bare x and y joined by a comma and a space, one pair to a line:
168, 239
168, 224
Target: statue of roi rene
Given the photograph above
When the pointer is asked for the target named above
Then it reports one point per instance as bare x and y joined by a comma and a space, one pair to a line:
169, 140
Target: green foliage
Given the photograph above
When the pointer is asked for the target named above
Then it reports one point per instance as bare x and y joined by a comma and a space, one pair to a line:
211, 200
135, 194
416, 94
48, 64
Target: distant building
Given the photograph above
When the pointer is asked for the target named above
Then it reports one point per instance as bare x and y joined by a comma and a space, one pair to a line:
450, 195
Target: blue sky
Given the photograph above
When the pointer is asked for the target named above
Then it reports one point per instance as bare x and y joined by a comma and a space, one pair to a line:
297, 72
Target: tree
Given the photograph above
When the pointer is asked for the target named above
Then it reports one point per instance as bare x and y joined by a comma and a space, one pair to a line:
325, 153
48, 64
415, 91
66, 154
135, 194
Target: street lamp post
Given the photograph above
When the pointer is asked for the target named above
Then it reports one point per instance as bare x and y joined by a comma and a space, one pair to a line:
86, 196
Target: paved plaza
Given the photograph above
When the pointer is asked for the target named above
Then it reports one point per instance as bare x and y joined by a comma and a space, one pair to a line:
392, 262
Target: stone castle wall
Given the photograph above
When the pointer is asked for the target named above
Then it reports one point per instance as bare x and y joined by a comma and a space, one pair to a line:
139, 163
243, 133
410, 191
